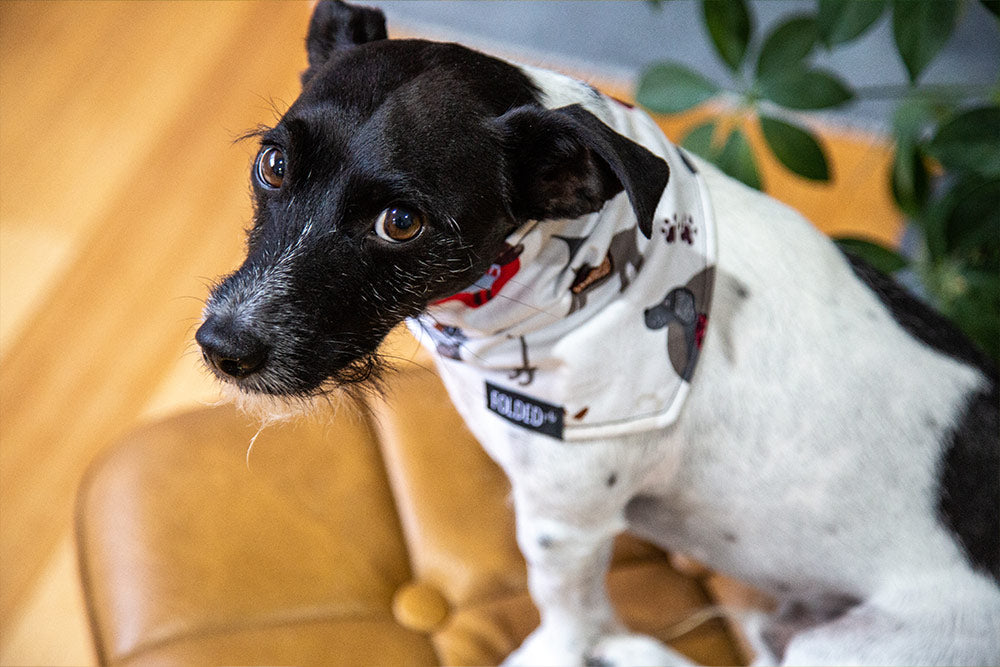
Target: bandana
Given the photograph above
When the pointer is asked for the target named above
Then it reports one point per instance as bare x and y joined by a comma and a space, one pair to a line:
584, 328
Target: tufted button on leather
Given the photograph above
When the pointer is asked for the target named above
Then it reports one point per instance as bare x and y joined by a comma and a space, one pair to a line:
420, 607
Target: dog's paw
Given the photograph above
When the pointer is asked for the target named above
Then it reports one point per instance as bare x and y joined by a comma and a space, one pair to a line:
547, 648
631, 650
564, 646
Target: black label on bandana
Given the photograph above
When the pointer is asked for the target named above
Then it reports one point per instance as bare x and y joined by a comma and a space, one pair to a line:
526, 412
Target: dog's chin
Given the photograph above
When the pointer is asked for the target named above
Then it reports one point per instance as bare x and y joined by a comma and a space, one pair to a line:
269, 409
271, 402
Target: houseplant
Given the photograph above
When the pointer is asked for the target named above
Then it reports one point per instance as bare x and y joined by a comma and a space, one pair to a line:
945, 175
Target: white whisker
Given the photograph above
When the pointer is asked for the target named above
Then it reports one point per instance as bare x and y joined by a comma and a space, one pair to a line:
252, 441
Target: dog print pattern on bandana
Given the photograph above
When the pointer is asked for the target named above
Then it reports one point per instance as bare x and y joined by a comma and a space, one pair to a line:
584, 328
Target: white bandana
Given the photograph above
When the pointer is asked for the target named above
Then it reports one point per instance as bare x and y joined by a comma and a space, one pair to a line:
584, 328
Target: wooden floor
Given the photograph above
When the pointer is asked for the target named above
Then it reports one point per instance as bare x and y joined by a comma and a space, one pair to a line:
121, 194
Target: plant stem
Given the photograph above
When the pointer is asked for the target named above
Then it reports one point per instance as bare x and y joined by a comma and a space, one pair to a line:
947, 90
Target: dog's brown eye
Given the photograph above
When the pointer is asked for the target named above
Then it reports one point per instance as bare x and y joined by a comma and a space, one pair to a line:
270, 167
397, 224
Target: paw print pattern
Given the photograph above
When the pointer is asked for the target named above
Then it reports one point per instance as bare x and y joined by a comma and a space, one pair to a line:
680, 227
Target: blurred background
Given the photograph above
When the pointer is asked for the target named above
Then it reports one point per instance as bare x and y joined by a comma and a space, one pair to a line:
123, 194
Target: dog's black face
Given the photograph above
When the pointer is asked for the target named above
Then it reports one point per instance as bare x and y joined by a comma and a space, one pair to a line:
391, 182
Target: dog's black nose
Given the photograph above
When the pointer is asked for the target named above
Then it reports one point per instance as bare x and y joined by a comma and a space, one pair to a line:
230, 350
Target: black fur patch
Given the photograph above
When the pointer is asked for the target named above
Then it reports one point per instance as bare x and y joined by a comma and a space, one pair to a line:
969, 485
568, 163
969, 502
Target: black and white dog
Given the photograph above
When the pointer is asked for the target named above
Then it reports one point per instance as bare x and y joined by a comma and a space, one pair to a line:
640, 342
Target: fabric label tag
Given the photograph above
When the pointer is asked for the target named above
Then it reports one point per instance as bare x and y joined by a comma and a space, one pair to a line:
526, 412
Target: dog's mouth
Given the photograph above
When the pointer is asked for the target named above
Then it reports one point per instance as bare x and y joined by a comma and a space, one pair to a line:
269, 397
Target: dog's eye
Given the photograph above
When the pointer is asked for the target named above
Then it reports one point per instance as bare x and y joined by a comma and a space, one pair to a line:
397, 224
270, 167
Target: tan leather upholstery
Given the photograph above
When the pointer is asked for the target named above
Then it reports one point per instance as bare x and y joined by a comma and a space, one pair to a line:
380, 535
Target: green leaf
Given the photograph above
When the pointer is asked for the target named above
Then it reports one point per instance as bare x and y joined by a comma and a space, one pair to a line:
737, 160
841, 21
885, 260
913, 117
920, 28
670, 88
787, 45
734, 158
935, 214
800, 88
970, 141
795, 148
699, 141
728, 23
910, 180
972, 214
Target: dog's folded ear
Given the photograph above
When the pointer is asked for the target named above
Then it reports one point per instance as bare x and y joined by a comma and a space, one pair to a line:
335, 25
566, 163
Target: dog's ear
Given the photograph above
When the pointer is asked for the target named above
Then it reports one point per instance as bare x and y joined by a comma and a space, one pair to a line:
566, 163
336, 25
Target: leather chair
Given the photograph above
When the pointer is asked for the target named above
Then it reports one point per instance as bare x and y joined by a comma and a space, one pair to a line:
378, 533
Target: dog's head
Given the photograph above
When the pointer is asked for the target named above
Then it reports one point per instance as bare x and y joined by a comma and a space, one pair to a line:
391, 182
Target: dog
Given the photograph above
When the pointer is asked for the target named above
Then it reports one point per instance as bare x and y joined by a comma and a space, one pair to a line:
784, 414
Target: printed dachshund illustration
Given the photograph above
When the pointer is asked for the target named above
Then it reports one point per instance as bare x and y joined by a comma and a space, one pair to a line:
623, 256
683, 308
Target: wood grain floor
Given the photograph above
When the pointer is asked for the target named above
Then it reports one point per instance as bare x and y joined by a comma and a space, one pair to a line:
121, 194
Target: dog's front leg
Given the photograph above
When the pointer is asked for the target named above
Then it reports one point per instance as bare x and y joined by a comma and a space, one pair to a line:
568, 553
567, 562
